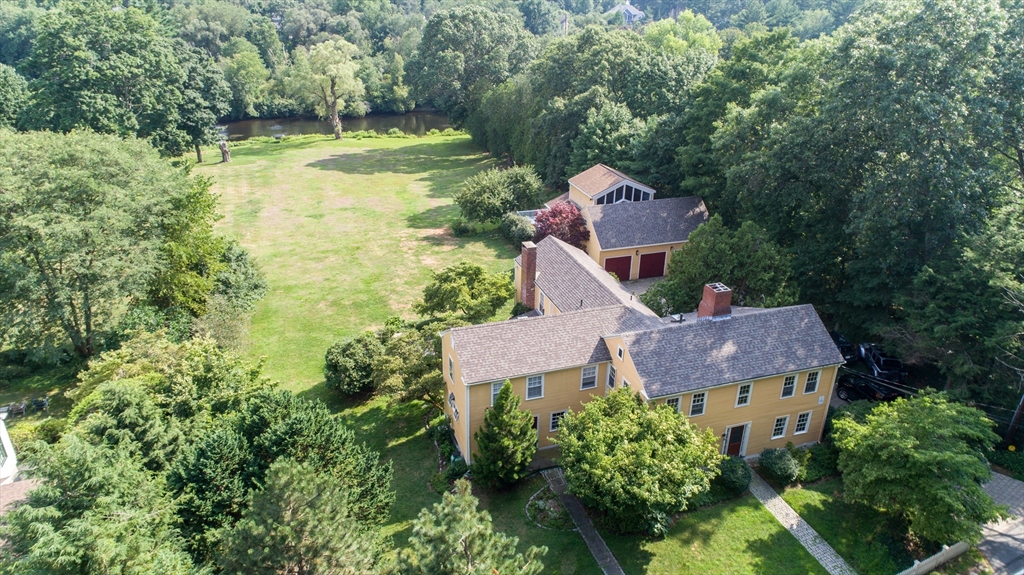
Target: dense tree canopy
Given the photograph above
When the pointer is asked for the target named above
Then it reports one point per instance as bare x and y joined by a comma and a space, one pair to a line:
922, 459
112, 70
756, 270
466, 49
83, 226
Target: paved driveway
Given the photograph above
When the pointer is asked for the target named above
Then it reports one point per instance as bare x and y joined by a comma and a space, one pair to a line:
1004, 541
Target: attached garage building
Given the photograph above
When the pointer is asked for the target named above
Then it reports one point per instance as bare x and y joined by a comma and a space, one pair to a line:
635, 240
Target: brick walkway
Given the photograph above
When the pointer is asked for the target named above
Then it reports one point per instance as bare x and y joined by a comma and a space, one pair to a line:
609, 565
1004, 541
803, 532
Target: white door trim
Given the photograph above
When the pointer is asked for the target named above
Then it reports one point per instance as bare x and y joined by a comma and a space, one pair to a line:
743, 444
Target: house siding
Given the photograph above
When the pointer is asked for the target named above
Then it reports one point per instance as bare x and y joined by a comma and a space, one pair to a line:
577, 195
634, 271
561, 392
720, 411
458, 389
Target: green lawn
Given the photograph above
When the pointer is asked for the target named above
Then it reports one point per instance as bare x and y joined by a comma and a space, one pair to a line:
567, 553
735, 537
863, 536
347, 233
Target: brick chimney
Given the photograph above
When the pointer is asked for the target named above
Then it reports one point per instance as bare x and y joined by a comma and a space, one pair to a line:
527, 285
716, 303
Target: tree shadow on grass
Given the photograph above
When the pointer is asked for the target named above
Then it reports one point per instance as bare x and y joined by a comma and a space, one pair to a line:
779, 553
443, 165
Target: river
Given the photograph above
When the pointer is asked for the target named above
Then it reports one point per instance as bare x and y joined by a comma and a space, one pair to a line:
417, 123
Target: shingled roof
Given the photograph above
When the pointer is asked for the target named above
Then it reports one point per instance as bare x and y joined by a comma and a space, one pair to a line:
599, 178
573, 281
753, 343
518, 347
631, 224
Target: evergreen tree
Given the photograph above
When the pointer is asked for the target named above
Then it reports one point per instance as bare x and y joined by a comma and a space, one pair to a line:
299, 523
507, 441
459, 539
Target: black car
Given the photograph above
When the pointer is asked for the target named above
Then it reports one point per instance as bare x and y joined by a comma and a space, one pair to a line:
845, 347
882, 366
851, 386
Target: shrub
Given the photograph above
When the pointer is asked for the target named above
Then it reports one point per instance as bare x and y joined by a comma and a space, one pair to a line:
735, 475
434, 132
822, 462
394, 132
457, 469
520, 308
778, 464
51, 429
516, 229
461, 228
349, 364
1012, 461
449, 132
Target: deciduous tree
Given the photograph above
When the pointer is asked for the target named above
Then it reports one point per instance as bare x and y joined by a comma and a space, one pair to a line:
465, 289
456, 538
564, 221
922, 460
82, 232
637, 464
328, 78
757, 270
488, 196
506, 441
95, 64
465, 49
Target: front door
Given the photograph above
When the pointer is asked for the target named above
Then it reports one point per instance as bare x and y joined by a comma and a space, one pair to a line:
734, 442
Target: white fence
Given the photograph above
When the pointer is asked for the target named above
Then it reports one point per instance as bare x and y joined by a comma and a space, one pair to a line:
947, 554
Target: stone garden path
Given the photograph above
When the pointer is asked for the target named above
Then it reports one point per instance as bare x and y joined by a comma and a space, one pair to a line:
803, 532
609, 565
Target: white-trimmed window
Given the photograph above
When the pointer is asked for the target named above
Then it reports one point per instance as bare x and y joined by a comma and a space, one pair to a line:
588, 377
788, 386
625, 383
611, 376
495, 390
535, 387
556, 419
451, 369
451, 403
697, 403
803, 423
779, 429
743, 394
541, 299
811, 385
620, 353
673, 402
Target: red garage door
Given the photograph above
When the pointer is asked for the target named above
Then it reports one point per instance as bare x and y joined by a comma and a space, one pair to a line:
619, 266
652, 265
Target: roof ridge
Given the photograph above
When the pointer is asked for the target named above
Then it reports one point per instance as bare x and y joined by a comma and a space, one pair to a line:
511, 320
752, 312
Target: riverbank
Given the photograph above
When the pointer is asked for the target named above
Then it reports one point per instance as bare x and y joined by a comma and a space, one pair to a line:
417, 123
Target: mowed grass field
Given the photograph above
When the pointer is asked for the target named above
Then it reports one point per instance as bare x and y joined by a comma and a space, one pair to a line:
347, 233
